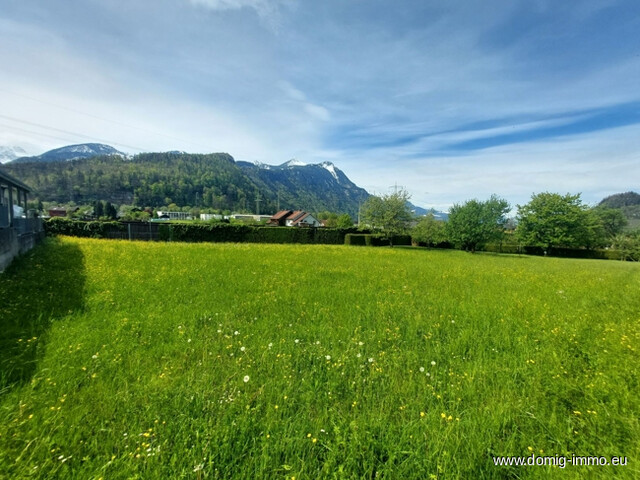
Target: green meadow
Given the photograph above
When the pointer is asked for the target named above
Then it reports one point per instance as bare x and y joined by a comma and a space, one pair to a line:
140, 360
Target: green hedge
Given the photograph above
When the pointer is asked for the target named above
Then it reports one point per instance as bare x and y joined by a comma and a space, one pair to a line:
200, 232
77, 228
376, 240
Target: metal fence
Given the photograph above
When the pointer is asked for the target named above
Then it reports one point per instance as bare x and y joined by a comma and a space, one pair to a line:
135, 231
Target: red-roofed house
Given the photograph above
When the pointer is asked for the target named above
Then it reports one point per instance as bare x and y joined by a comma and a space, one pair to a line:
294, 219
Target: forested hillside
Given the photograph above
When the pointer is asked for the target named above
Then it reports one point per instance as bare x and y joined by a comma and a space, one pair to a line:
628, 203
213, 181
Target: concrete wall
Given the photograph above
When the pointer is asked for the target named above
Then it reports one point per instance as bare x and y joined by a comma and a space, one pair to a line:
12, 244
9, 246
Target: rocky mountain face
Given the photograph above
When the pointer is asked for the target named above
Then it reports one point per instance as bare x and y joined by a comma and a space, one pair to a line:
297, 184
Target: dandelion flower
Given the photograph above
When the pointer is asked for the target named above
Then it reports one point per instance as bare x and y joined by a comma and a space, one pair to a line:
246, 378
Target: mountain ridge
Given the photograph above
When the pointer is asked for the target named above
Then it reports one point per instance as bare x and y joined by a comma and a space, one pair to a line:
72, 152
70, 173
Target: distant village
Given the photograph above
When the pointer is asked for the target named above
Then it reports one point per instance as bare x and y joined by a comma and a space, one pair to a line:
283, 218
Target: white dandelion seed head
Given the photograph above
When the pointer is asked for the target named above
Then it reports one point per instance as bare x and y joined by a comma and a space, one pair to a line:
328, 357
370, 360
297, 340
421, 369
433, 362
246, 378
236, 332
242, 349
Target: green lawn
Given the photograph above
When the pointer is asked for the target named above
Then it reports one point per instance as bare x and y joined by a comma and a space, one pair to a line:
152, 360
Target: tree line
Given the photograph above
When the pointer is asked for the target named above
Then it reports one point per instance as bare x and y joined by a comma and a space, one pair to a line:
549, 221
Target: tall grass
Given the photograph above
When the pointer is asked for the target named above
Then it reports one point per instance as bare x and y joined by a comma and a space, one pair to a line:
150, 360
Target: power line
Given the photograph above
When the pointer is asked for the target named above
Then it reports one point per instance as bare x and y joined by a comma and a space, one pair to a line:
45, 102
73, 134
31, 132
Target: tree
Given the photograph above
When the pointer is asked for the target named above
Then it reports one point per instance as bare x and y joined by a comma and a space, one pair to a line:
98, 209
344, 221
628, 245
389, 212
553, 220
330, 219
476, 222
612, 219
429, 231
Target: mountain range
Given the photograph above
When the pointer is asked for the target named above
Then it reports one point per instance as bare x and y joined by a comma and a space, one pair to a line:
87, 172
70, 152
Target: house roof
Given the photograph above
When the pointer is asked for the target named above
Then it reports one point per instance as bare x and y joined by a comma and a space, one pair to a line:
4, 176
303, 217
281, 215
297, 216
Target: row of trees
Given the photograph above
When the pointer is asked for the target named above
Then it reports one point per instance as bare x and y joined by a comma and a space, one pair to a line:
549, 220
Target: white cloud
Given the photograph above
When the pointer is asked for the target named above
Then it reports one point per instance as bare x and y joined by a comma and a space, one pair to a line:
377, 89
596, 164
269, 11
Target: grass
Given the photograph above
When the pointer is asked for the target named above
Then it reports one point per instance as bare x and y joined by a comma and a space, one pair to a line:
151, 360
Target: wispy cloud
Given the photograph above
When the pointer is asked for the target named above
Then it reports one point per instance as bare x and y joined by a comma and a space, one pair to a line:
452, 98
269, 11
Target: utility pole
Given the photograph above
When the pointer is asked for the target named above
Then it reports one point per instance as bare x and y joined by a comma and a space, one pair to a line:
258, 200
395, 187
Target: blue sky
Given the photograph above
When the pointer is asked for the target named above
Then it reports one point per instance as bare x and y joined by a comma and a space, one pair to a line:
452, 100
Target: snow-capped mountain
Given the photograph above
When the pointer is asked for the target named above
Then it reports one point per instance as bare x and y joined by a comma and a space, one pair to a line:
73, 152
11, 153
322, 184
293, 163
